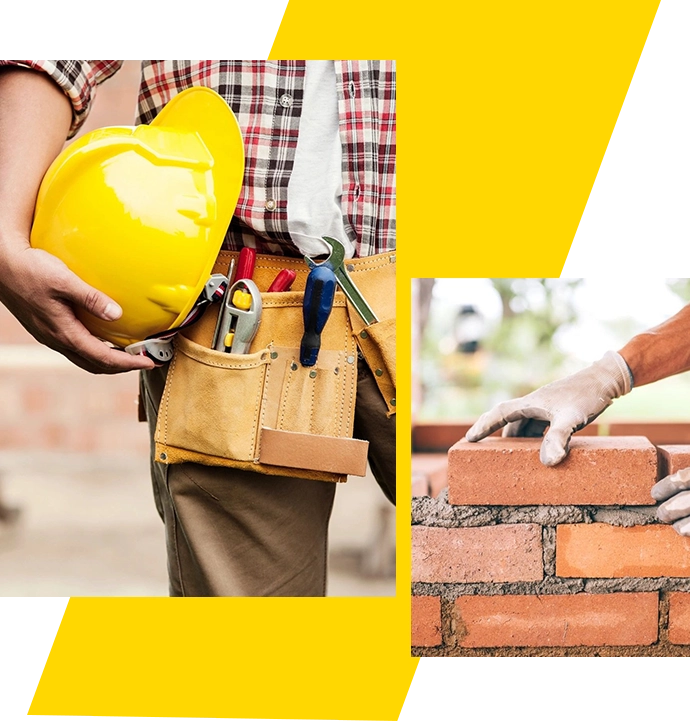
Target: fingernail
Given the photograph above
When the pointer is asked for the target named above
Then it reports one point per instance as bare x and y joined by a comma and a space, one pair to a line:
112, 312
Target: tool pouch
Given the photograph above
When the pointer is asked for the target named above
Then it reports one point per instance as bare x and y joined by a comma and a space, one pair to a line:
263, 411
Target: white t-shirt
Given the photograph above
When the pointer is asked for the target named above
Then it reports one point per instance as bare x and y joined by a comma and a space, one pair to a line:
315, 186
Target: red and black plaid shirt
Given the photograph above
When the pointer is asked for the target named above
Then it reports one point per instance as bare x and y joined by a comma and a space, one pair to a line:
266, 97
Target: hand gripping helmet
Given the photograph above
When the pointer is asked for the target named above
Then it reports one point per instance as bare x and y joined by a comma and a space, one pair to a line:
141, 213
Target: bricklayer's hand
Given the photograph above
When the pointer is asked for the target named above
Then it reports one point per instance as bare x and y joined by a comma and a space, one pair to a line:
565, 406
674, 492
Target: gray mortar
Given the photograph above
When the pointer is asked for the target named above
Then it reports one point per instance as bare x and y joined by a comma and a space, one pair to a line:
438, 512
552, 585
549, 585
626, 515
544, 515
674, 584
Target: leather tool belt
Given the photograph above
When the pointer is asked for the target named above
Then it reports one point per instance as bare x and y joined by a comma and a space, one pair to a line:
263, 411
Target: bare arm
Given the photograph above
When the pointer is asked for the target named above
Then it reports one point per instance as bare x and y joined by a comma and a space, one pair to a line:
38, 288
661, 351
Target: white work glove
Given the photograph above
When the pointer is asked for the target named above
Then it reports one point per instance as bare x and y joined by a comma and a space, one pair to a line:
566, 405
674, 491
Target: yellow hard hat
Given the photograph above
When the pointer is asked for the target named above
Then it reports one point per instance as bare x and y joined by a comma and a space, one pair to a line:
141, 213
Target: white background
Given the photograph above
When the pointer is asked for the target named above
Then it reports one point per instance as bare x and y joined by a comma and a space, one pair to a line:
636, 222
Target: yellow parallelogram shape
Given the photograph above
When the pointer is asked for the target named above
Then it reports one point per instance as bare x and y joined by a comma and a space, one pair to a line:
504, 110
266, 658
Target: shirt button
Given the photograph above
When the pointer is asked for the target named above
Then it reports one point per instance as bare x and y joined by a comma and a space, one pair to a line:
285, 100
270, 205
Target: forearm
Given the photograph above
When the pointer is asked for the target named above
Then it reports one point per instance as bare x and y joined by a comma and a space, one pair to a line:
661, 351
35, 118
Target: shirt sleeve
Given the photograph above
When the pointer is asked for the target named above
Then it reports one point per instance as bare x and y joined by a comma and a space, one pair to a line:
77, 79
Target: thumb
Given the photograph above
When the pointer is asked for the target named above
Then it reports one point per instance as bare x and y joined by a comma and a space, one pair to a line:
554, 448
92, 300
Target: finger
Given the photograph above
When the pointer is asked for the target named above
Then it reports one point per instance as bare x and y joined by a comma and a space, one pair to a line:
682, 526
675, 508
530, 428
500, 415
670, 485
95, 356
89, 298
556, 443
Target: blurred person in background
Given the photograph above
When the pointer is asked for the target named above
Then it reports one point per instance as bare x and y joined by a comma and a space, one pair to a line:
569, 404
318, 135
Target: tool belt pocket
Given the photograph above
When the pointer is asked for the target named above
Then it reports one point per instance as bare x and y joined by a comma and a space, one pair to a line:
263, 411
202, 385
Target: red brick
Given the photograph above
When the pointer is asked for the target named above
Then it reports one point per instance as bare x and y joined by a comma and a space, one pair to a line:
673, 458
426, 621
439, 437
434, 469
600, 550
598, 470
679, 618
656, 432
567, 620
502, 553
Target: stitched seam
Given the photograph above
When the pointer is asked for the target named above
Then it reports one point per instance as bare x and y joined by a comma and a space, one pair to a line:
257, 405
353, 387
166, 397
263, 410
343, 365
235, 366
283, 402
338, 302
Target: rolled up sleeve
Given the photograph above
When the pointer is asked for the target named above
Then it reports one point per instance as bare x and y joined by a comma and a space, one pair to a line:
78, 79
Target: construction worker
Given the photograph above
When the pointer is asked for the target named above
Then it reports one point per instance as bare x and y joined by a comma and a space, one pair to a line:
320, 150
569, 404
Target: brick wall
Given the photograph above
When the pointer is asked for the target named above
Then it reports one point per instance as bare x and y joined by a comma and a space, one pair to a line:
517, 559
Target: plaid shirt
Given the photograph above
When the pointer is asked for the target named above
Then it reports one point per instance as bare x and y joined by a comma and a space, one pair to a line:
266, 97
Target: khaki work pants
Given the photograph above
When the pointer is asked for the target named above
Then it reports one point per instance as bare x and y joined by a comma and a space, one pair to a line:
242, 534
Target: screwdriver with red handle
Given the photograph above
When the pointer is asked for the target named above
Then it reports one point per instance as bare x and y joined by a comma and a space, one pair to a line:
283, 281
245, 264
318, 302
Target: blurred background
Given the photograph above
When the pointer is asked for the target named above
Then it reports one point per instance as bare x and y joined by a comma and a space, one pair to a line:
77, 516
479, 341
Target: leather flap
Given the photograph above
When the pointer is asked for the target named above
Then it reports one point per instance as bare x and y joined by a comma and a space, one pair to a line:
308, 451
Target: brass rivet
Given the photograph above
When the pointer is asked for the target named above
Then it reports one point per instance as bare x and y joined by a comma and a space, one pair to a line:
392, 402
350, 359
364, 334
293, 366
378, 372
164, 456
312, 374
350, 267
274, 354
